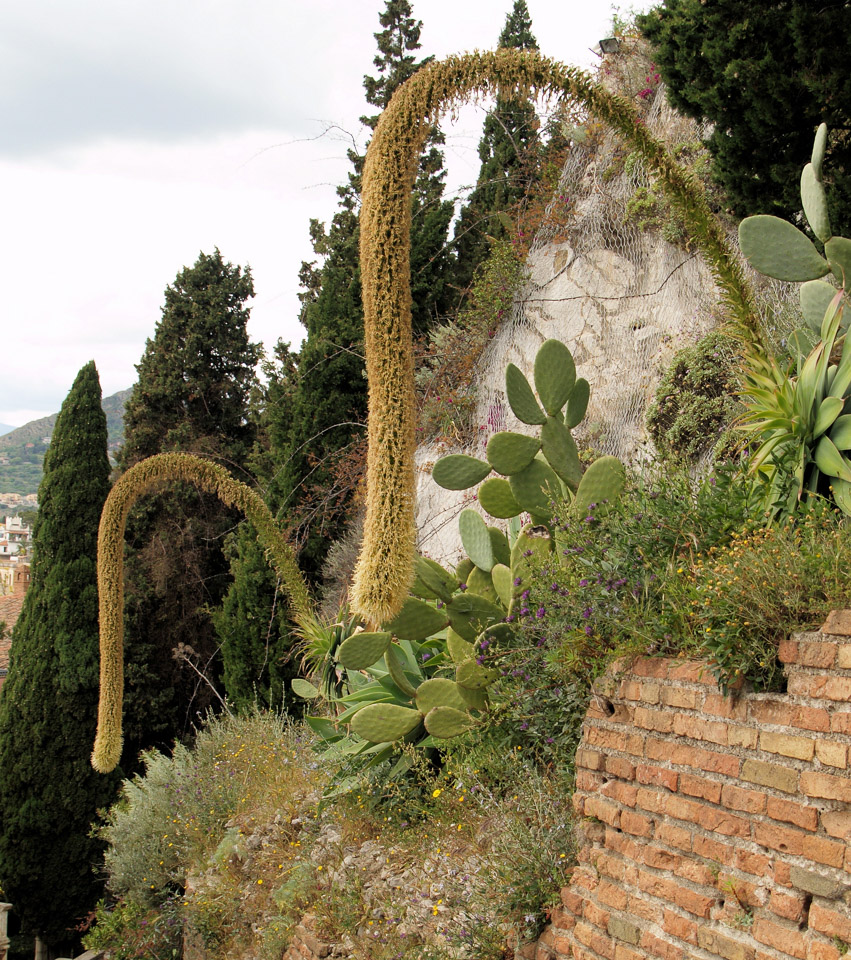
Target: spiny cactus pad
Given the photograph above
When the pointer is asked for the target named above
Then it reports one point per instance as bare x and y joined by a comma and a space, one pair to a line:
577, 405
776, 248
496, 498
469, 615
503, 582
362, 650
458, 471
535, 488
521, 399
416, 621
814, 200
561, 452
500, 545
555, 375
393, 659
447, 722
838, 250
385, 722
440, 583
474, 676
602, 482
815, 297
439, 692
459, 649
510, 452
481, 584
476, 539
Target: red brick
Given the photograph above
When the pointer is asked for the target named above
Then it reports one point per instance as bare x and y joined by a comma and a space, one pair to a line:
799, 844
619, 791
617, 740
817, 687
837, 823
700, 787
612, 867
769, 710
645, 909
821, 655
623, 952
667, 889
653, 856
674, 836
619, 767
595, 940
697, 727
731, 708
656, 776
654, 667
832, 753
812, 718
590, 760
826, 786
636, 824
650, 800
678, 926
660, 948
596, 915
739, 798
680, 697
602, 809
782, 873
818, 950
756, 864
662, 721
791, 812
587, 781
696, 757
695, 871
572, 901
840, 722
723, 821
611, 895
694, 672
830, 921
787, 651
838, 624
629, 690
782, 937
682, 809
790, 906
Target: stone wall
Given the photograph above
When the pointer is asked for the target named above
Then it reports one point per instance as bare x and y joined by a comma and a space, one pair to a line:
713, 826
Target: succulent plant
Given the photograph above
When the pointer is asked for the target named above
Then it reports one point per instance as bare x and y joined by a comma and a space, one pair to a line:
779, 249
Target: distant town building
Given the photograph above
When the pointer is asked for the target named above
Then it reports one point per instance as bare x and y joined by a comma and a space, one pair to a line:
15, 539
10, 610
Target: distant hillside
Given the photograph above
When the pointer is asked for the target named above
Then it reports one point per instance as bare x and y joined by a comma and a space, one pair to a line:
22, 450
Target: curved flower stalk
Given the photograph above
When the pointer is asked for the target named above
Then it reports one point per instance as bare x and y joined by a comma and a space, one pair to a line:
385, 568
137, 481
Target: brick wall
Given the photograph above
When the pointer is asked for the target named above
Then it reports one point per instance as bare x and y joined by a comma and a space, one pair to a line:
714, 826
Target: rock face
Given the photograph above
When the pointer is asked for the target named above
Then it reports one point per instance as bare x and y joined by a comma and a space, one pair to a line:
620, 295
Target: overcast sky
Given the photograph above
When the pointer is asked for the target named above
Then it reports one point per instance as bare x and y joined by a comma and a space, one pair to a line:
134, 135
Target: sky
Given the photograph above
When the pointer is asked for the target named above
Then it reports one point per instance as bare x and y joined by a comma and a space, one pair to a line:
135, 135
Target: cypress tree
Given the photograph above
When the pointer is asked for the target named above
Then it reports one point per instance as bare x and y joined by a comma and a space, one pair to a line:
507, 155
765, 76
49, 792
195, 380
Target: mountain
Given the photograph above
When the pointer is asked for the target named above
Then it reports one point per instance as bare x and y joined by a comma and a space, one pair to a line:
22, 449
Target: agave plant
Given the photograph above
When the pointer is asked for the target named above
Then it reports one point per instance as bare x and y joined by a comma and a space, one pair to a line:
802, 422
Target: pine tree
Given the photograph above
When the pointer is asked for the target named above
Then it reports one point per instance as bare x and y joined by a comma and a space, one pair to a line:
49, 792
765, 75
506, 151
192, 395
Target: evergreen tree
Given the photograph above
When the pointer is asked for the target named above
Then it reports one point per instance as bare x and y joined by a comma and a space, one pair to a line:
49, 792
506, 151
192, 395
765, 75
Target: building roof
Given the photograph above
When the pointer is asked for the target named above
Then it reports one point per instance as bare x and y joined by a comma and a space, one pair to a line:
10, 610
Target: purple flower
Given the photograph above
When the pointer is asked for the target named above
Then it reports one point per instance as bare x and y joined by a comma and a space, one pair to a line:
588, 630
517, 581
462, 586
484, 644
583, 583
586, 613
540, 613
524, 611
425, 656
525, 595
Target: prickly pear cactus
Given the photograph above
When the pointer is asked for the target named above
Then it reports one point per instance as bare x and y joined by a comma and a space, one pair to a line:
778, 249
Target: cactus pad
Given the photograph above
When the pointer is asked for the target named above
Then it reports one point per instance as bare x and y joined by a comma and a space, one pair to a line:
481, 584
304, 689
362, 650
440, 583
458, 647
510, 452
499, 543
458, 471
838, 251
385, 722
555, 375
496, 498
814, 201
439, 692
469, 615
476, 540
447, 722
535, 488
503, 582
561, 452
521, 399
776, 248
819, 146
577, 405
473, 676
815, 296
475, 699
416, 621
602, 481
463, 570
